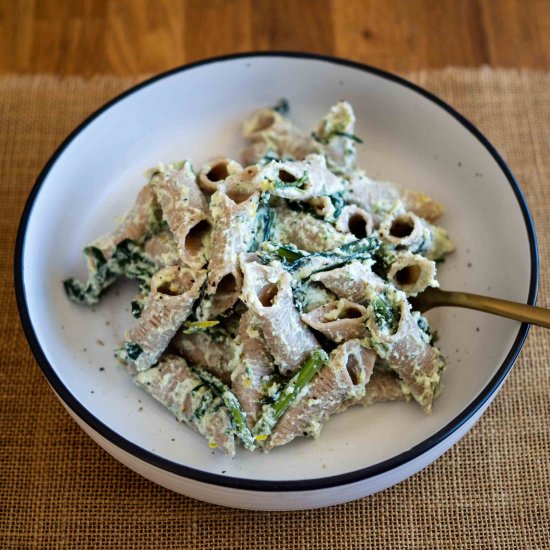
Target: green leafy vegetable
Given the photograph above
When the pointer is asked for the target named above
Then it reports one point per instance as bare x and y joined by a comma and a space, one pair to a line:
385, 313
289, 394
265, 217
204, 405
238, 416
128, 260
361, 249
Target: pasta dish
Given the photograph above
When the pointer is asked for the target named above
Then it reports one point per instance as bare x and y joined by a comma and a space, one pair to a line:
273, 293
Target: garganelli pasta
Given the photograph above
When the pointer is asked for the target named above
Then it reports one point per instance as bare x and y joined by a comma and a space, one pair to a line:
274, 291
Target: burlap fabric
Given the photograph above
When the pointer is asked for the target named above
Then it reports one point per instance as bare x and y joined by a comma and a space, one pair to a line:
59, 490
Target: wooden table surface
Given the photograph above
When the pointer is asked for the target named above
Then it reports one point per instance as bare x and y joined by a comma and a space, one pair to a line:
124, 37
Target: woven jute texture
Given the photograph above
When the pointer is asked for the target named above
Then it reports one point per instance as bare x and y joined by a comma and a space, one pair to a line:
59, 490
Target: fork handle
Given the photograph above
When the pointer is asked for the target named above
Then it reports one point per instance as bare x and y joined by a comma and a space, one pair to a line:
513, 310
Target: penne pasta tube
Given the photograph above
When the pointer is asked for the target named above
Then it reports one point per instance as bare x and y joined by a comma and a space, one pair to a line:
355, 220
375, 196
213, 173
336, 139
173, 293
407, 230
338, 321
254, 367
267, 292
397, 338
173, 384
342, 378
234, 224
185, 210
142, 221
323, 207
382, 386
412, 273
272, 135
207, 352
299, 181
306, 232
354, 281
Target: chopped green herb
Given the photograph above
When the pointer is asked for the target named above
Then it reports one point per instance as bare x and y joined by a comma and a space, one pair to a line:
282, 106
204, 404
136, 308
353, 137
133, 350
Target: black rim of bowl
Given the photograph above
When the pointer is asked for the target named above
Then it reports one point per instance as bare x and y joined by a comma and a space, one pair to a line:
268, 485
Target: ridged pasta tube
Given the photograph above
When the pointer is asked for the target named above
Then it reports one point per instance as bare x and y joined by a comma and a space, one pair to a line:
382, 386
207, 352
338, 321
355, 281
412, 273
299, 180
380, 196
343, 377
355, 220
336, 139
173, 384
407, 230
233, 232
173, 293
271, 134
213, 173
185, 210
307, 232
267, 291
405, 347
255, 364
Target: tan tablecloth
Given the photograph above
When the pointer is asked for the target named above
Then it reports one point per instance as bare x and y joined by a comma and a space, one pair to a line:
58, 489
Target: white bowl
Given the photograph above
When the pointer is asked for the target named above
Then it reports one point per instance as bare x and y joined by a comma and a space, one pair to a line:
195, 111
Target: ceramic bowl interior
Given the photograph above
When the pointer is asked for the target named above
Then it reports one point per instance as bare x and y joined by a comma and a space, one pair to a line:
196, 113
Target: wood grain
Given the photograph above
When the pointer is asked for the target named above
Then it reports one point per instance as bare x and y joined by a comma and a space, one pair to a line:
126, 37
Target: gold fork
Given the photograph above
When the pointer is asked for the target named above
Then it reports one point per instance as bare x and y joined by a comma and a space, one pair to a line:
434, 297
